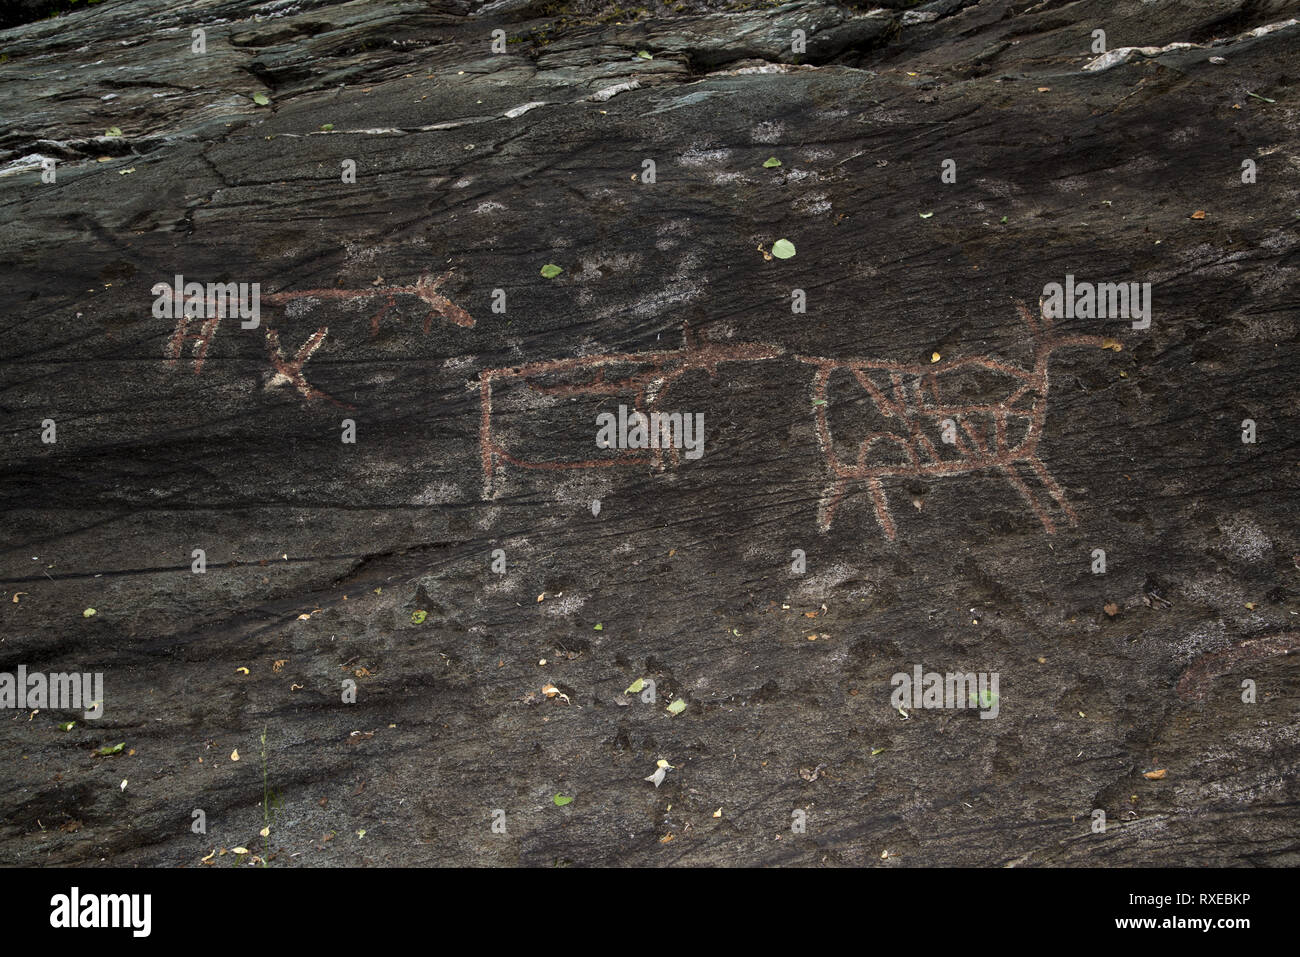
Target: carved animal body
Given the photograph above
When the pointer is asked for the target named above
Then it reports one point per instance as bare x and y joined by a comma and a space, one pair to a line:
424, 289
648, 385
1000, 435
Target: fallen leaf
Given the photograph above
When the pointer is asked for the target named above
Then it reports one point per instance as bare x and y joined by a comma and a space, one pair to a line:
550, 271
114, 749
718, 813
658, 777
635, 686
242, 671
783, 249
234, 755
1155, 775
560, 800
1111, 609
677, 707
418, 616
771, 163
87, 613
1199, 214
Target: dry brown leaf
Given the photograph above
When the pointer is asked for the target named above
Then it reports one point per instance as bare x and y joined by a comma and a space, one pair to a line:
1199, 214
1111, 609
1155, 775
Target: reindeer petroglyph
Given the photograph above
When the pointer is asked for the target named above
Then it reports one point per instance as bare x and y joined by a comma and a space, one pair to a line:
289, 371
648, 387
911, 396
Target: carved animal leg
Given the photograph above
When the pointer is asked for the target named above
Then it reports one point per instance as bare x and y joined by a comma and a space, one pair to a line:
485, 437
1025, 493
830, 501
289, 372
1053, 489
882, 508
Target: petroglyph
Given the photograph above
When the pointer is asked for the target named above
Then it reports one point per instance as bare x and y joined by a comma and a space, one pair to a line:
425, 289
929, 432
289, 371
657, 371
1001, 435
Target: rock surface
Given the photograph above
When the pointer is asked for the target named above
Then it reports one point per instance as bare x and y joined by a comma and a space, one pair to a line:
412, 303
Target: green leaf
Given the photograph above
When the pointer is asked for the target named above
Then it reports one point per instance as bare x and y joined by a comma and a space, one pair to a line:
984, 699
677, 707
926, 215
819, 401
261, 99
783, 249
560, 800
550, 271
67, 725
326, 127
1258, 97
87, 613
875, 751
599, 627
771, 163
1004, 219
112, 131
419, 616
644, 55
635, 686
106, 751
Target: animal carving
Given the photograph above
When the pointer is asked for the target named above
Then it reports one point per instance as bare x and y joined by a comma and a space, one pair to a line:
1000, 435
645, 376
